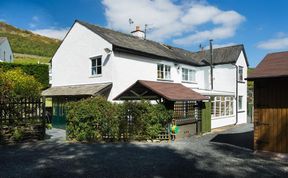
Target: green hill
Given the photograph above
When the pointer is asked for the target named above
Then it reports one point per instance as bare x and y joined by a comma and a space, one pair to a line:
28, 43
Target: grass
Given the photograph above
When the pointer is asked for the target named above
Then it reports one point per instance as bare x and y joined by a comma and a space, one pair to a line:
30, 59
26, 42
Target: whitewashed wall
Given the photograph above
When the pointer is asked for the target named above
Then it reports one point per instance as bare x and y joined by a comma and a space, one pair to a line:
128, 68
8, 52
71, 64
242, 89
224, 80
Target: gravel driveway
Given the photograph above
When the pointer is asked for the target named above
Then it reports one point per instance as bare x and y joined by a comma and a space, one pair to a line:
221, 154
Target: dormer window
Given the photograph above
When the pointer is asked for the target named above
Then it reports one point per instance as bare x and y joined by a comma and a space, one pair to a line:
163, 72
96, 65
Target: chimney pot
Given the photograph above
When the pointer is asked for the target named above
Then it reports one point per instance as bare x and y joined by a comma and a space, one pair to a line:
137, 28
138, 33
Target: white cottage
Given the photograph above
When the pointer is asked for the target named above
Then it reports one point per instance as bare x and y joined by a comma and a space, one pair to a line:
94, 60
6, 54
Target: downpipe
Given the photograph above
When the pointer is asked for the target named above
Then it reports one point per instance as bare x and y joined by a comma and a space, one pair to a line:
236, 93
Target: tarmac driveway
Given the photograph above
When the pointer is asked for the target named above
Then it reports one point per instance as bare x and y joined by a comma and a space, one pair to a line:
221, 154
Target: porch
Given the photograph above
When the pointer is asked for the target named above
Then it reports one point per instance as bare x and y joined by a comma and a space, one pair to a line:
191, 109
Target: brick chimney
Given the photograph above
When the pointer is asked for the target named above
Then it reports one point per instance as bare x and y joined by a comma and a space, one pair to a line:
138, 33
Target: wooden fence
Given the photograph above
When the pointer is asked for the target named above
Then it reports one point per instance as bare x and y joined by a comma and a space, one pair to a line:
21, 119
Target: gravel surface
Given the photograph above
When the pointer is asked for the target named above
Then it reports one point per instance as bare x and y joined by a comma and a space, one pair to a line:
217, 154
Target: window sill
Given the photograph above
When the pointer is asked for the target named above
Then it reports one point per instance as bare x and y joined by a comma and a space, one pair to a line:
192, 82
95, 76
165, 80
221, 117
241, 111
239, 81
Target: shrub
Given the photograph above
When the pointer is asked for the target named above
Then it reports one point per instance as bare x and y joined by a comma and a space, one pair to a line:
95, 118
91, 119
15, 85
39, 71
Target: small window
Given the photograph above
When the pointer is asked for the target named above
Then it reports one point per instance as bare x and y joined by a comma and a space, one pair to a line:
240, 73
188, 75
240, 102
163, 72
96, 66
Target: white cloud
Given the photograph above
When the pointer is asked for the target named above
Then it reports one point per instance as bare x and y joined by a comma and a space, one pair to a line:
273, 44
220, 45
58, 33
183, 23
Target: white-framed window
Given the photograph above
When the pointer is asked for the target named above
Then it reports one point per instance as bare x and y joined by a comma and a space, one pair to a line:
221, 106
240, 73
240, 102
188, 75
163, 72
96, 65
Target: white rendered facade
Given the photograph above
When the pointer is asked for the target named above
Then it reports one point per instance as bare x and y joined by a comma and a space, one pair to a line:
71, 65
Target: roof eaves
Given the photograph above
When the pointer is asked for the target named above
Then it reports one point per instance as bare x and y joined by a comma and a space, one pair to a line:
265, 77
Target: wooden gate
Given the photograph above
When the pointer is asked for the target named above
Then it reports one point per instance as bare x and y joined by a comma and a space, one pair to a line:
271, 115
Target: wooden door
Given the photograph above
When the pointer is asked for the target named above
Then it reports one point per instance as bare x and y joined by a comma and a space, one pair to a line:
271, 115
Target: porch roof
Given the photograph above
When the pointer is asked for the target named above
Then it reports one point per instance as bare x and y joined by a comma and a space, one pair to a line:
143, 89
77, 90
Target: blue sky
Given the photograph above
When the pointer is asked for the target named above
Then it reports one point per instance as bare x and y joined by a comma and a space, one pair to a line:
260, 25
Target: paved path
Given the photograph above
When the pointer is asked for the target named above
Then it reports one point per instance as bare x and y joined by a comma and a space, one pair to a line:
206, 156
55, 133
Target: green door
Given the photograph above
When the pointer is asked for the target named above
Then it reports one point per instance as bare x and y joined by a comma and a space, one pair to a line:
206, 117
58, 119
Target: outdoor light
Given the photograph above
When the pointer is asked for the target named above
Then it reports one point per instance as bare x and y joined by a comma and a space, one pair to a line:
107, 50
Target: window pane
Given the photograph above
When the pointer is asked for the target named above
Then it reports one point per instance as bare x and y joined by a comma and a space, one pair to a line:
227, 105
231, 108
167, 72
222, 108
99, 61
240, 102
93, 62
99, 70
240, 73
160, 71
191, 75
93, 72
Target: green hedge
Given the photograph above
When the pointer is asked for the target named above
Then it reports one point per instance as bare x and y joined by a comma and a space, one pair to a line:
96, 119
39, 71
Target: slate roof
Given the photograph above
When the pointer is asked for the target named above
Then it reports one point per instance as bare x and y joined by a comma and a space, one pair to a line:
129, 43
73, 90
2, 39
167, 90
274, 65
224, 55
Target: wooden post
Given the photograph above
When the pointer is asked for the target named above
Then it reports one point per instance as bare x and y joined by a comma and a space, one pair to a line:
43, 115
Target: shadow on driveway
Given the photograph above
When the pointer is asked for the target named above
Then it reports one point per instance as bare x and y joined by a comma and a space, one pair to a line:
242, 139
201, 158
